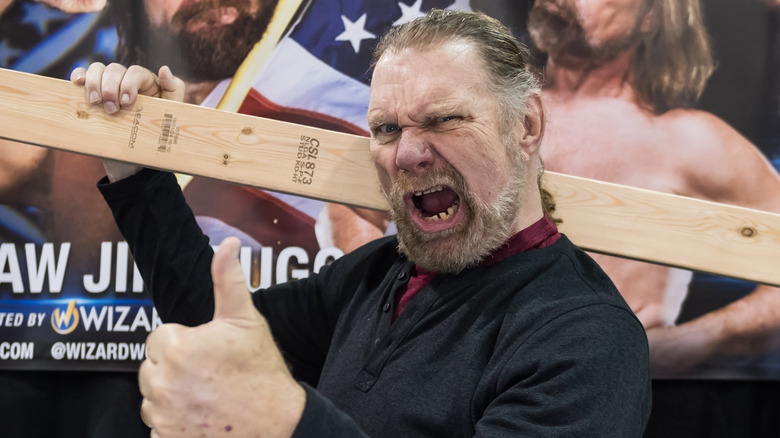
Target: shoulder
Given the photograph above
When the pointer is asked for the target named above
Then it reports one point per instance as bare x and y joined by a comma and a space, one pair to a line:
571, 308
554, 286
564, 272
569, 336
718, 163
700, 132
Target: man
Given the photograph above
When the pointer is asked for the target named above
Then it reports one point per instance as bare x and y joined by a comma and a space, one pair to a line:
479, 318
621, 80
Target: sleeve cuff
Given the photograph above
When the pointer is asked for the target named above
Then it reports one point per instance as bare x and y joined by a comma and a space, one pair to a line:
321, 418
134, 184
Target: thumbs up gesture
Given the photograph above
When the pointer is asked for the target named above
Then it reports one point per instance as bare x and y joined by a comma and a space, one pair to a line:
223, 376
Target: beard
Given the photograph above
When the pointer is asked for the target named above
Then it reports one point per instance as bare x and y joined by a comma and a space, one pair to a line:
484, 228
559, 33
213, 52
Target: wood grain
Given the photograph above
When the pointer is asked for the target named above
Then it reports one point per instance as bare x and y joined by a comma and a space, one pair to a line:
601, 217
191, 139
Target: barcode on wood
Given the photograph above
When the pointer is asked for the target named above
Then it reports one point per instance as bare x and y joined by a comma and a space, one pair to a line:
166, 132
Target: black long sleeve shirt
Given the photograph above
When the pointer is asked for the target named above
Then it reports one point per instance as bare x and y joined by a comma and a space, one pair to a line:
537, 344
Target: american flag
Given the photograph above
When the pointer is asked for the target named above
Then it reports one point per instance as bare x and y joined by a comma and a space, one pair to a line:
322, 64
318, 74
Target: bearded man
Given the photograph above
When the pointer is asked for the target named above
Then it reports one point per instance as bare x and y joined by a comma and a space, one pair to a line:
478, 319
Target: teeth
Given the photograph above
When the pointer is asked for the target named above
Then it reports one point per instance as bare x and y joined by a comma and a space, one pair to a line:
431, 190
444, 215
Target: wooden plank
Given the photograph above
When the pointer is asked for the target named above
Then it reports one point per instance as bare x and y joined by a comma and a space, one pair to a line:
601, 217
668, 229
191, 139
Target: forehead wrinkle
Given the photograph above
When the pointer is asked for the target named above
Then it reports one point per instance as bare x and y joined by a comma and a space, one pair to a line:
400, 93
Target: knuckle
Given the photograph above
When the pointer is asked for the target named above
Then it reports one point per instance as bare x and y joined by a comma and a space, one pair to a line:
136, 69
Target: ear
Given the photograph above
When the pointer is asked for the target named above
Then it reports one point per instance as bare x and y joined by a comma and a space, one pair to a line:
533, 125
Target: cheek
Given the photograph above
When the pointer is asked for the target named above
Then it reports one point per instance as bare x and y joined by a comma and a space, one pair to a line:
484, 175
384, 162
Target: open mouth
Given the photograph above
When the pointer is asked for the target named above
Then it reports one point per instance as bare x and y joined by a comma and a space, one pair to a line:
434, 209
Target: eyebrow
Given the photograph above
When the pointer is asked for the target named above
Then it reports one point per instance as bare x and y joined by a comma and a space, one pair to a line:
374, 121
377, 116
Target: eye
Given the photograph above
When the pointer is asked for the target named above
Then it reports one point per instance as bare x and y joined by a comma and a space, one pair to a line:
387, 128
443, 122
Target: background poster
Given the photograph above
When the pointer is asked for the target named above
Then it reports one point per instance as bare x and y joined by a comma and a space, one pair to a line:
70, 299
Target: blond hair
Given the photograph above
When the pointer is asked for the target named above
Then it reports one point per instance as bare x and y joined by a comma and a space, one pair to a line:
674, 61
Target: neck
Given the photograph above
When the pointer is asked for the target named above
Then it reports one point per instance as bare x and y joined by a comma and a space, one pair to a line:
531, 209
612, 79
530, 214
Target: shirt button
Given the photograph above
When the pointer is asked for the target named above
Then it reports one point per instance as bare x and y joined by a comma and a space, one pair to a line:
386, 307
401, 275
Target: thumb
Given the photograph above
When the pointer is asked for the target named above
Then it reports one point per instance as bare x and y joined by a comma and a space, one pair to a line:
231, 297
171, 87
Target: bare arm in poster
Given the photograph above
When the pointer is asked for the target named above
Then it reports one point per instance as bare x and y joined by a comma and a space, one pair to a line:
617, 87
69, 6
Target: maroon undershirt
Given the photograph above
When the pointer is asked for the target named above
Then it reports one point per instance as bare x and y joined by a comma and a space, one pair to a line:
540, 234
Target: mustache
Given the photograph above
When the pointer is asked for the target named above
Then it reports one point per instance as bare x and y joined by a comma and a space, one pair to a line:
189, 10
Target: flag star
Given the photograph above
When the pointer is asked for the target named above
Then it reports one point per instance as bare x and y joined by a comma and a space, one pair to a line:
40, 16
355, 32
409, 13
460, 5
7, 53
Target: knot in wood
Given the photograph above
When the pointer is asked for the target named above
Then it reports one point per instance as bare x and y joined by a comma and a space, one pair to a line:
246, 131
748, 232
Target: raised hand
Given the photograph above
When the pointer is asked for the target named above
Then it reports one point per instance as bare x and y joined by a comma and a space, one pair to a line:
115, 87
222, 378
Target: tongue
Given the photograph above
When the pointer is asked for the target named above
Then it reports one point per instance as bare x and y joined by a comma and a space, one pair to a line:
437, 202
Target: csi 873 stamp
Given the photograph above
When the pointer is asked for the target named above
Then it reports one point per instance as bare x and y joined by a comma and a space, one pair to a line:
306, 160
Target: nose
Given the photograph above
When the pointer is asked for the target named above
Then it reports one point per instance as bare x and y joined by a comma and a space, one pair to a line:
414, 153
